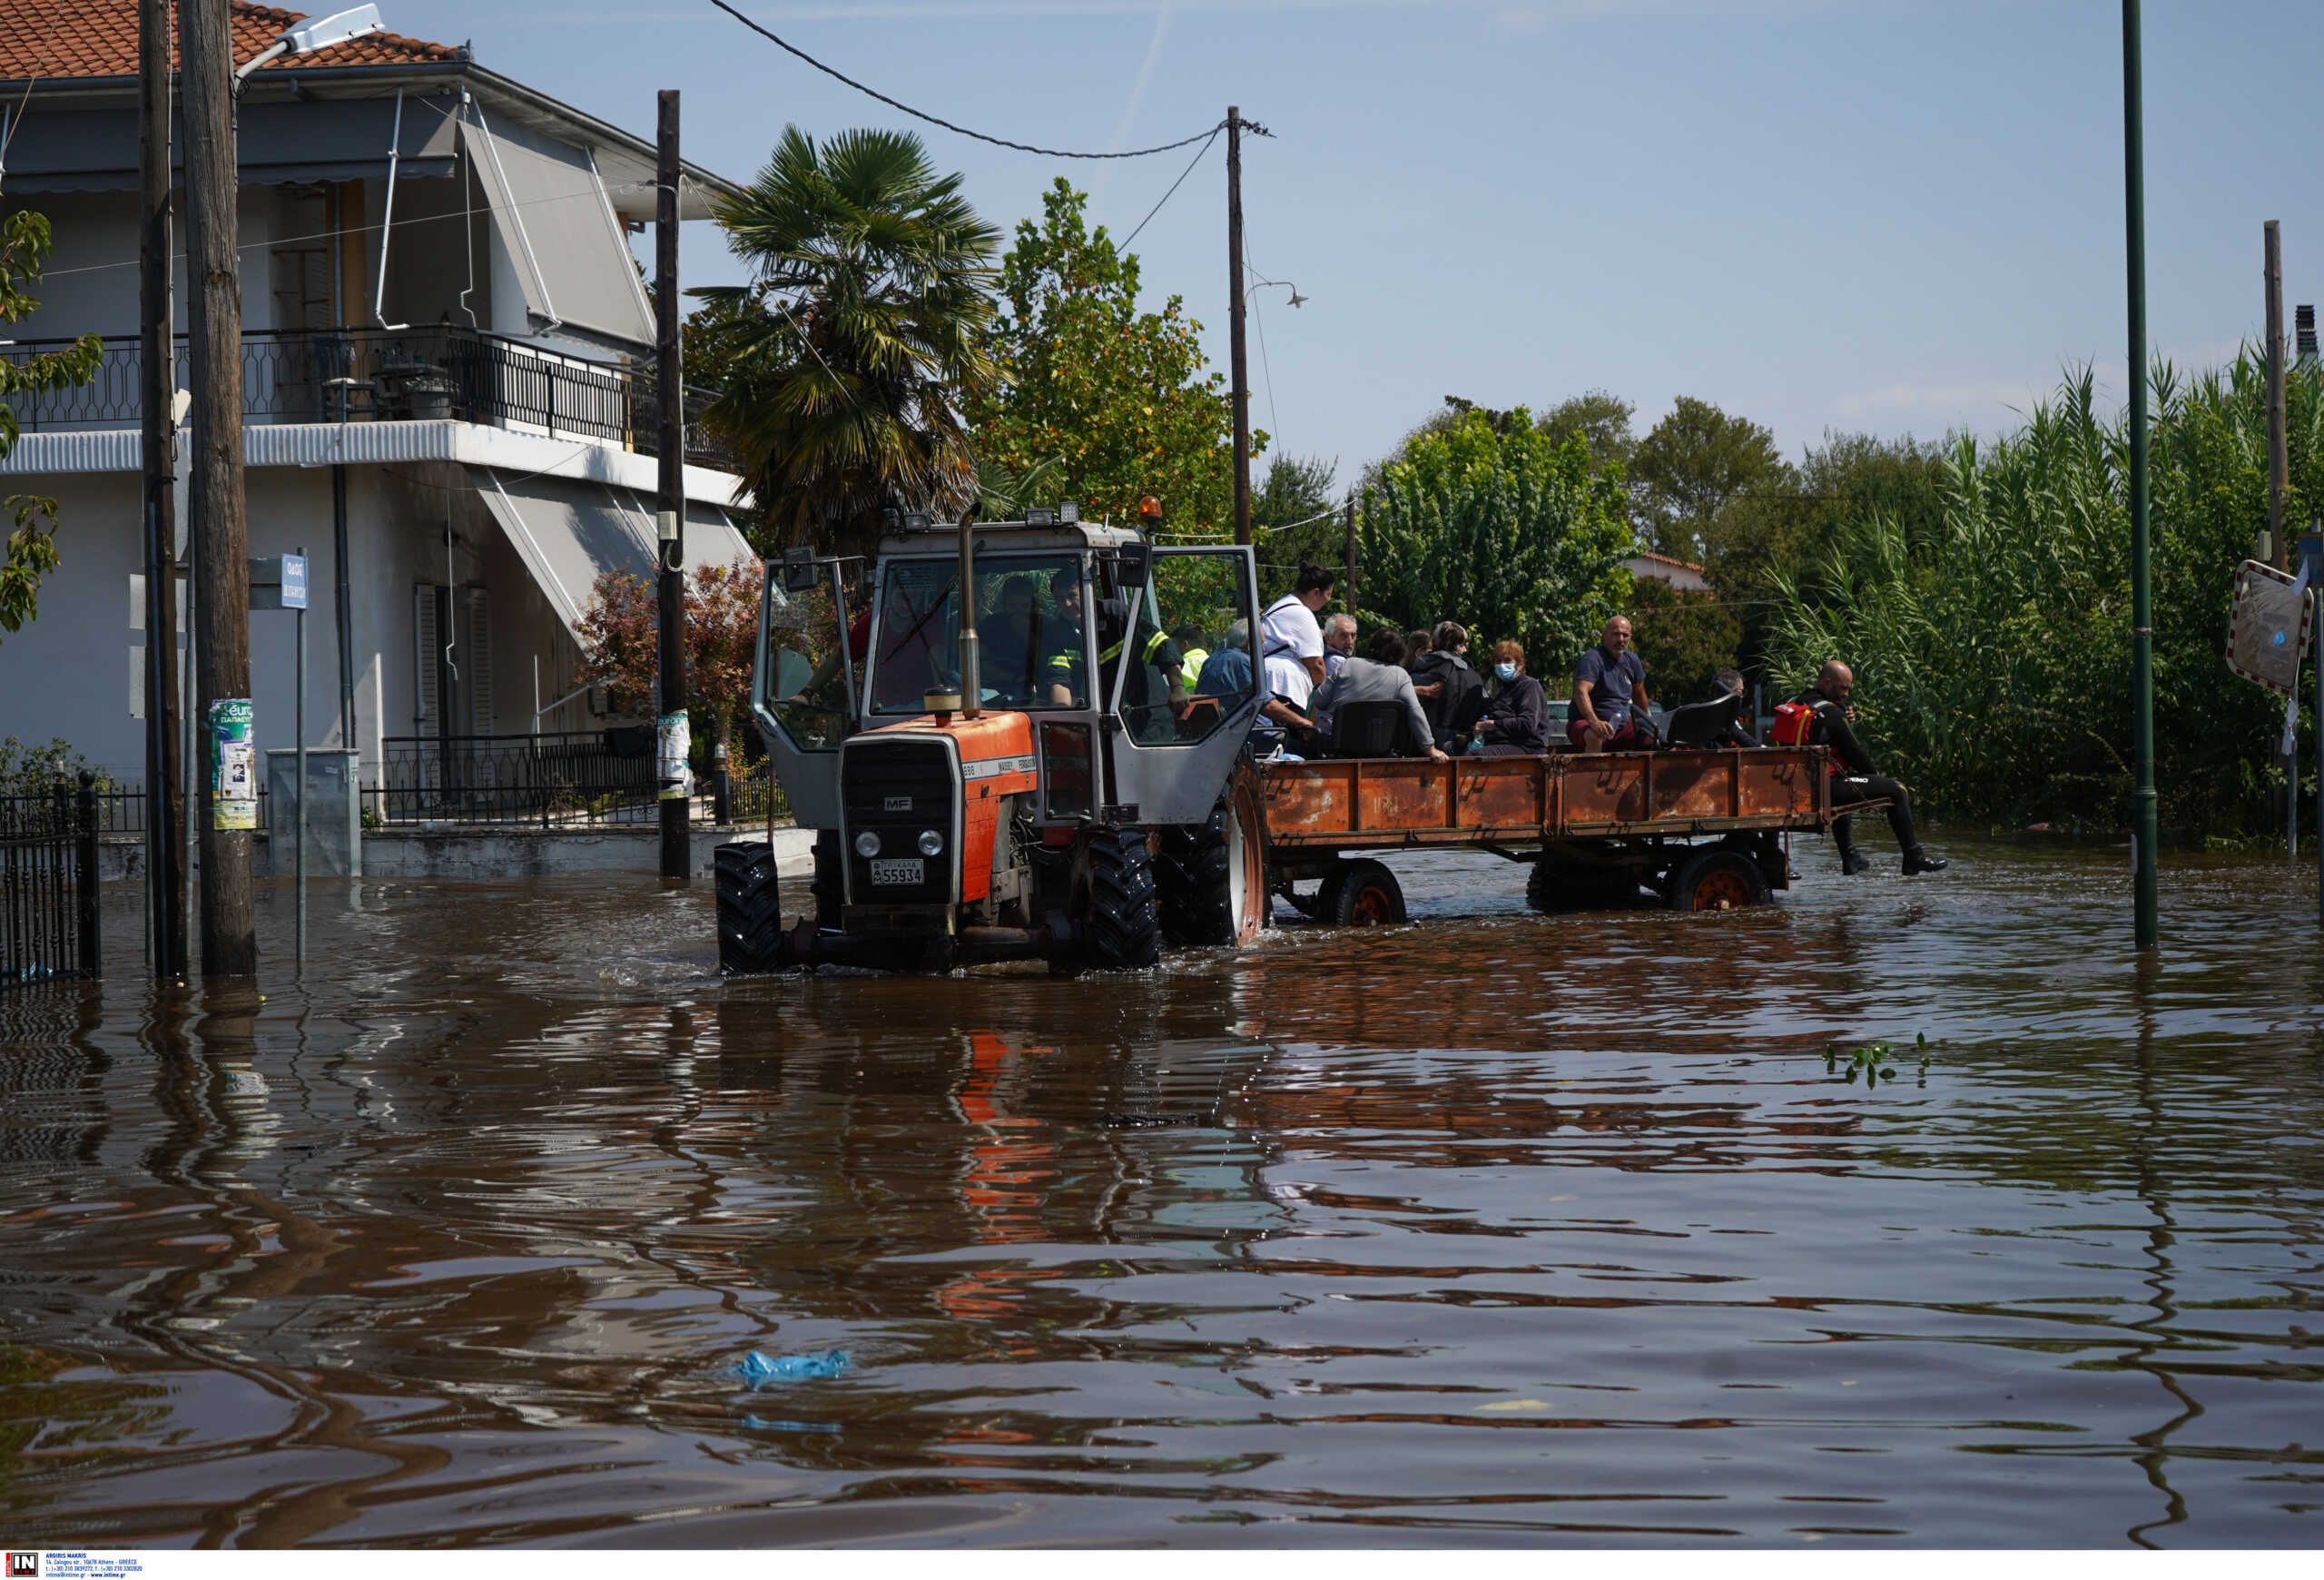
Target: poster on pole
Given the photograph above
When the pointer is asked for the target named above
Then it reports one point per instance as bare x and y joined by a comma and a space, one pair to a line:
234, 765
2267, 630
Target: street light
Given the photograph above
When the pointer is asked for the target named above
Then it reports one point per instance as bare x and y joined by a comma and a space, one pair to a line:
317, 33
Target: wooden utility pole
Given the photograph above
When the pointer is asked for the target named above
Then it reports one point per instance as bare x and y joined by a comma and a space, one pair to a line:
219, 547
156, 386
1235, 324
677, 805
2279, 550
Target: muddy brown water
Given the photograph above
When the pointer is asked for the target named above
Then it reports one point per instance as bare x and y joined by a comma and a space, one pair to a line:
1491, 1230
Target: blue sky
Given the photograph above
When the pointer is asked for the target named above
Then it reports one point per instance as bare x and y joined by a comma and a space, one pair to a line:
1826, 215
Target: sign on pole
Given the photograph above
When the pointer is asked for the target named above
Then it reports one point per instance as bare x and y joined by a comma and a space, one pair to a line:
278, 581
2268, 629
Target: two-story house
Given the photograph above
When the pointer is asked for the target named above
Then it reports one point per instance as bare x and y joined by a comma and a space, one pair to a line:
447, 369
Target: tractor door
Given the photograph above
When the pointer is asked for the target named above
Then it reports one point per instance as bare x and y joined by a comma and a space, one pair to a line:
803, 687
1185, 686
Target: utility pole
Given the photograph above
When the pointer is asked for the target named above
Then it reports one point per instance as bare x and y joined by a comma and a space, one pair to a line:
219, 550
2144, 830
2279, 550
677, 803
156, 387
1235, 324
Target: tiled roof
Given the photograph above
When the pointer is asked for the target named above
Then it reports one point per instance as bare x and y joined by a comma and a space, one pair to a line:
98, 38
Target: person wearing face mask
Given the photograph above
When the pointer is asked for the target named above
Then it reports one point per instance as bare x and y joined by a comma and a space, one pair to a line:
1516, 718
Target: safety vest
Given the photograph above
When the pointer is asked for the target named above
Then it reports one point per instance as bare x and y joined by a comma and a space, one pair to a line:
1194, 658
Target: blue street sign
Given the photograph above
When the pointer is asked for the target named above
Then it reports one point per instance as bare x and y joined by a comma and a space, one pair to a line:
294, 581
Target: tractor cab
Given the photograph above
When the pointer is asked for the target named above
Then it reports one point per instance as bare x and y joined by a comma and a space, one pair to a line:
986, 772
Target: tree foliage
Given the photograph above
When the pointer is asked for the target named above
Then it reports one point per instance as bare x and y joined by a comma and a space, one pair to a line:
620, 643
1691, 466
1284, 524
1684, 636
1498, 526
845, 364
1600, 421
1116, 398
32, 545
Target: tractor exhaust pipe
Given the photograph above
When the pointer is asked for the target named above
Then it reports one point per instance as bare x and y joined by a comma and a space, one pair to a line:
972, 669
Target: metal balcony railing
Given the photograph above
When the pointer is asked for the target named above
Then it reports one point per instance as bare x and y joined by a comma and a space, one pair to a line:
374, 375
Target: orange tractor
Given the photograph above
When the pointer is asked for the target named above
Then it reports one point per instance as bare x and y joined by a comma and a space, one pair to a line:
1009, 743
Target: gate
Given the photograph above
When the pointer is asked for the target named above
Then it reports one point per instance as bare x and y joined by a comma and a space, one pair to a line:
48, 885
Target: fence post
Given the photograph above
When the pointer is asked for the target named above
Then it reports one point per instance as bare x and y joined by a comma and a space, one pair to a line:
85, 808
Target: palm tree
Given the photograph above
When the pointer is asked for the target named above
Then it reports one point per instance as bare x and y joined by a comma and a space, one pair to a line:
848, 358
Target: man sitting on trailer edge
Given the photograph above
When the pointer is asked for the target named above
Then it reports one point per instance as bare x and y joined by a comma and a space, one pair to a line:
1822, 715
1609, 699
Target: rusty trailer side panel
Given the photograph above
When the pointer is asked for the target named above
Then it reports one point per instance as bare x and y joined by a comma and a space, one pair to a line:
1387, 803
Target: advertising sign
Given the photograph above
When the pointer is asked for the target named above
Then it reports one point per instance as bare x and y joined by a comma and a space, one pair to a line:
234, 765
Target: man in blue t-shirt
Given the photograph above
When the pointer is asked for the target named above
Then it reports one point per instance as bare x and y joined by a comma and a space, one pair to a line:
1610, 695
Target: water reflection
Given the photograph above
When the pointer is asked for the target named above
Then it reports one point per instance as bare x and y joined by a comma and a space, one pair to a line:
1492, 1229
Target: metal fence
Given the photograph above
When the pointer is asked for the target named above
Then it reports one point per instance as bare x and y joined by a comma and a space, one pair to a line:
48, 886
373, 375
569, 779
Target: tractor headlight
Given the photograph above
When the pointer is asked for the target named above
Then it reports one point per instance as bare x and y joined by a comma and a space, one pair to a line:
930, 842
867, 844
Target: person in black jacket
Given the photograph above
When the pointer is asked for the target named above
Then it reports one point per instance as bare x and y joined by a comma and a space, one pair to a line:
1830, 721
1451, 692
1516, 720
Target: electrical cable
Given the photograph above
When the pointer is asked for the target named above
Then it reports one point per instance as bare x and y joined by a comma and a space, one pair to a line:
1174, 186
1274, 416
963, 131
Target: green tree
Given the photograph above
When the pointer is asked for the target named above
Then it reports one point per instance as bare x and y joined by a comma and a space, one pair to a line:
1117, 397
1502, 528
1602, 422
1691, 466
1684, 636
32, 546
845, 364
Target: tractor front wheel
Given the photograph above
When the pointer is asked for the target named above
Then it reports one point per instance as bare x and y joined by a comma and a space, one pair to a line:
750, 909
1122, 929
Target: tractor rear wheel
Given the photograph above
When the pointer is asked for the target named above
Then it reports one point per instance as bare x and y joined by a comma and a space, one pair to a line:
1718, 880
1123, 928
1361, 893
1211, 880
1554, 887
750, 909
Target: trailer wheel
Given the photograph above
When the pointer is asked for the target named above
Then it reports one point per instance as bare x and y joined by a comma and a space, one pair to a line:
1123, 927
1362, 894
1211, 881
1718, 880
750, 909
1554, 887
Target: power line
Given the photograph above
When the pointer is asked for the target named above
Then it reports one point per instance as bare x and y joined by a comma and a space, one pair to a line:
1174, 185
963, 131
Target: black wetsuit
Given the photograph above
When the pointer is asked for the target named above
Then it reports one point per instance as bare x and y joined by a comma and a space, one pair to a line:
1856, 780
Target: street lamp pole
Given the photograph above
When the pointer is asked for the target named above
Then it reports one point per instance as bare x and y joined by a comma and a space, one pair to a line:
2144, 831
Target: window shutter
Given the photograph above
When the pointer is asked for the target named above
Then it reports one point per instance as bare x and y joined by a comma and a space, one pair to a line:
479, 661
426, 657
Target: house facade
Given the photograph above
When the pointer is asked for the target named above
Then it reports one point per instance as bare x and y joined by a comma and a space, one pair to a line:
447, 373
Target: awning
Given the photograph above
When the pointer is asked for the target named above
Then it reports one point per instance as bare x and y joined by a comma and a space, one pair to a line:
569, 532
572, 255
275, 144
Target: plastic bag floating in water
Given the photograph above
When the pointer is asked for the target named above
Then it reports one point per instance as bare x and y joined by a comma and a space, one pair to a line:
757, 1368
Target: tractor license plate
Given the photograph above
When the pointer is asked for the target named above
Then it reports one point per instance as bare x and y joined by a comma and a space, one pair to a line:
912, 870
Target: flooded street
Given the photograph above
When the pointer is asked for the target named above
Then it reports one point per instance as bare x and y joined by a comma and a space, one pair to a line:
1491, 1230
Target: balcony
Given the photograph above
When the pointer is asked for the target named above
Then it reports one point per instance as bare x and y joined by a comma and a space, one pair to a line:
406, 375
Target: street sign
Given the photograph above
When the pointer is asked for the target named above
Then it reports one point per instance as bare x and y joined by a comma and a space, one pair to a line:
2267, 631
278, 581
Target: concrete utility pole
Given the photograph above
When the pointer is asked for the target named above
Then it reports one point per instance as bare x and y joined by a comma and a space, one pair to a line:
669, 390
1235, 324
2144, 830
219, 549
2279, 550
156, 388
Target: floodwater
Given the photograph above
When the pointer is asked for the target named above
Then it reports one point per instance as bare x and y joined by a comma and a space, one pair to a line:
1492, 1230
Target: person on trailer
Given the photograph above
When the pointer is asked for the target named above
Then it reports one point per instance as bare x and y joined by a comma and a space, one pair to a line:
1226, 675
1822, 715
1737, 733
1378, 677
1339, 644
1610, 695
1291, 644
1515, 721
1450, 693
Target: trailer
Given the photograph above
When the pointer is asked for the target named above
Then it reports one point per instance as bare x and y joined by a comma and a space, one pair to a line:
1698, 830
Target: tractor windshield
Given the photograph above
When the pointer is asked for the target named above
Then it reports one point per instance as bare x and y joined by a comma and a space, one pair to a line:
1030, 635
